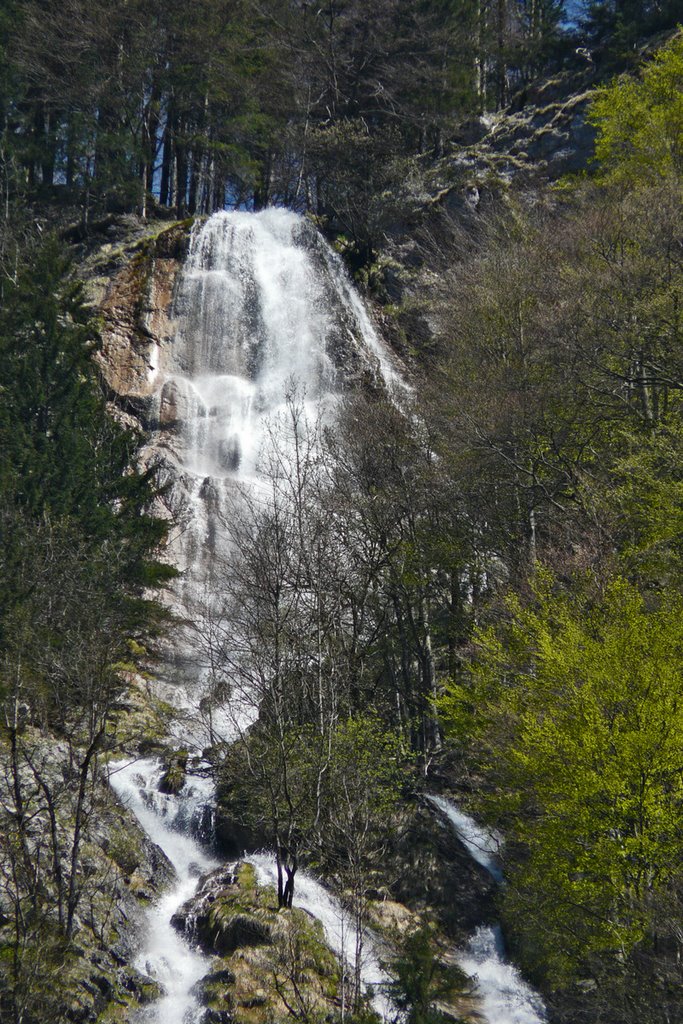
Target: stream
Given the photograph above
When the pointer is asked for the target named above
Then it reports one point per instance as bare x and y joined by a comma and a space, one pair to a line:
175, 823
168, 821
506, 998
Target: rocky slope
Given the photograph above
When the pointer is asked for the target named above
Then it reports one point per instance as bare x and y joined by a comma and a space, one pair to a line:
120, 872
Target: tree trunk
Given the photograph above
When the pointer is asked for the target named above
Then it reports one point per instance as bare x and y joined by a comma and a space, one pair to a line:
167, 157
79, 821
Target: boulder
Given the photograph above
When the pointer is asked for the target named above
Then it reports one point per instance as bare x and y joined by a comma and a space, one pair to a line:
228, 932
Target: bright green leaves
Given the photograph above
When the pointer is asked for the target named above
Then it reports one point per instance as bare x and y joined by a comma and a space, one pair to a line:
640, 123
579, 727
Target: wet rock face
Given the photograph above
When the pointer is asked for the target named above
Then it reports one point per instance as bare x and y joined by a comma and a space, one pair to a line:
138, 325
211, 1016
173, 405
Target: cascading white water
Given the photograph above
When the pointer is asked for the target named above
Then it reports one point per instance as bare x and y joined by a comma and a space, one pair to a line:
263, 305
506, 998
167, 957
167, 820
482, 845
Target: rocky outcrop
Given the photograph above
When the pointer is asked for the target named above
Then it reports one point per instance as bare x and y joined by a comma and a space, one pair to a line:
271, 964
135, 297
175, 774
227, 913
543, 135
540, 137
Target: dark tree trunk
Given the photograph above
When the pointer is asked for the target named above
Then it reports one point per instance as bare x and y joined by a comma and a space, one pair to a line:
167, 157
181, 179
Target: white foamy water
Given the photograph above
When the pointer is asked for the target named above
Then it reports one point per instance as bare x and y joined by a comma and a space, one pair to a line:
482, 845
263, 306
166, 956
312, 896
506, 998
263, 309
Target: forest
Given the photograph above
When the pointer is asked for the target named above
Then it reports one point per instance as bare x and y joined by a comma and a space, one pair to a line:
475, 588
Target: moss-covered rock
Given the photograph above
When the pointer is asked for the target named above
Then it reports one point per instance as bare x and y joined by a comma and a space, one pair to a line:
270, 964
173, 779
139, 720
230, 931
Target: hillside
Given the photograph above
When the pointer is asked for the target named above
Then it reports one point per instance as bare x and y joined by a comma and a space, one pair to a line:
340, 364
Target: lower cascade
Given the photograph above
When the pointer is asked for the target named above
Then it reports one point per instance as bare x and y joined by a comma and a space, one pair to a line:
172, 959
505, 996
175, 824
166, 956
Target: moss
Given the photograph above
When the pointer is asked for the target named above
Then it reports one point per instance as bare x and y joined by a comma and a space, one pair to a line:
231, 931
125, 850
141, 720
246, 876
124, 1006
172, 242
136, 649
173, 779
281, 959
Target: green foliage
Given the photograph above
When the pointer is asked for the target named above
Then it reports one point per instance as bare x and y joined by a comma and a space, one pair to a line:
61, 451
575, 717
640, 122
420, 979
327, 796
361, 786
78, 542
618, 28
126, 106
645, 502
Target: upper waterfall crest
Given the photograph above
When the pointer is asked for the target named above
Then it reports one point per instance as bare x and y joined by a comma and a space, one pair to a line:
262, 301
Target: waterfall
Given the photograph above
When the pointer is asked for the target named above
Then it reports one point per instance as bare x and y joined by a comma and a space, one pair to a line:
167, 820
481, 844
339, 930
505, 996
166, 955
263, 306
